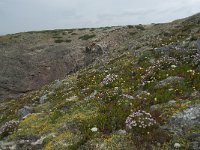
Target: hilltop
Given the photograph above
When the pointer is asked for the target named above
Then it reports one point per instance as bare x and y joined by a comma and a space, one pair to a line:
129, 87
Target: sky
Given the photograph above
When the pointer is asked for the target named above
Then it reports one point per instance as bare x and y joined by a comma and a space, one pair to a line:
35, 15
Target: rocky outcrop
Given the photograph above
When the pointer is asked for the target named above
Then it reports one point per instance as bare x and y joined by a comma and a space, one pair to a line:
186, 119
169, 81
27, 69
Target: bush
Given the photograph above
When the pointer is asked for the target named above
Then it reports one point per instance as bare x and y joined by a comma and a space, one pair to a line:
140, 27
68, 41
58, 41
112, 117
140, 122
56, 114
9, 127
86, 37
130, 26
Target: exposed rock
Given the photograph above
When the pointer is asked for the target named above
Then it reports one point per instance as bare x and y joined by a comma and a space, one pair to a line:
31, 60
194, 44
23, 112
57, 84
195, 145
128, 96
195, 30
155, 110
30, 143
25, 67
7, 145
121, 132
195, 94
195, 142
186, 119
43, 99
172, 103
95, 48
40, 141
168, 81
73, 98
92, 95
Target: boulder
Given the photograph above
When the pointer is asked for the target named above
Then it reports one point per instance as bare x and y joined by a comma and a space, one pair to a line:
23, 112
185, 119
155, 110
43, 99
168, 81
57, 84
172, 103
195, 94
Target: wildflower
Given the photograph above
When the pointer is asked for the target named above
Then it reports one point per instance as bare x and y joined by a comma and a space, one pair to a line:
173, 66
139, 119
94, 129
177, 145
109, 78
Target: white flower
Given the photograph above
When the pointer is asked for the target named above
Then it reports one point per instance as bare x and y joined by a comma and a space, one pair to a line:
94, 129
177, 145
173, 66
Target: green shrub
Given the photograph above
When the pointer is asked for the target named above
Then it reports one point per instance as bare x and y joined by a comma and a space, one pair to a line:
73, 33
58, 41
68, 41
140, 27
130, 26
112, 117
132, 33
86, 37
56, 114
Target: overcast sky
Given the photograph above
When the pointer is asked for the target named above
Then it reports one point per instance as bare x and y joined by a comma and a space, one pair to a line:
29, 15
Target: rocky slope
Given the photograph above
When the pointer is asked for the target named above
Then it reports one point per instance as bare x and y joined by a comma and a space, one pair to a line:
31, 60
133, 87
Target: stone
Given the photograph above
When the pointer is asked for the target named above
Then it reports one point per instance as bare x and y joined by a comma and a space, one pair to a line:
23, 112
195, 145
121, 132
195, 94
155, 110
177, 145
195, 30
40, 141
73, 98
128, 96
7, 145
172, 103
57, 84
92, 95
168, 81
185, 119
43, 99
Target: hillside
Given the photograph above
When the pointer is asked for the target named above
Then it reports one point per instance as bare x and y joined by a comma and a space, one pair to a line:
131, 87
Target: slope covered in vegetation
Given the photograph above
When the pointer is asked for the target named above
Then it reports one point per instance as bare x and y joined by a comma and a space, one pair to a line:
143, 97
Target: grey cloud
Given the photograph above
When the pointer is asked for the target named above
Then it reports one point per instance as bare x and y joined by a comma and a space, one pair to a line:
26, 15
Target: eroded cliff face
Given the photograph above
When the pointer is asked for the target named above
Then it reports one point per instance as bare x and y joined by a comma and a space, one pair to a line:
31, 60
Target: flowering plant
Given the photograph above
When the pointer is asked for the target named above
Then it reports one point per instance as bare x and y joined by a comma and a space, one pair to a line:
109, 78
140, 121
